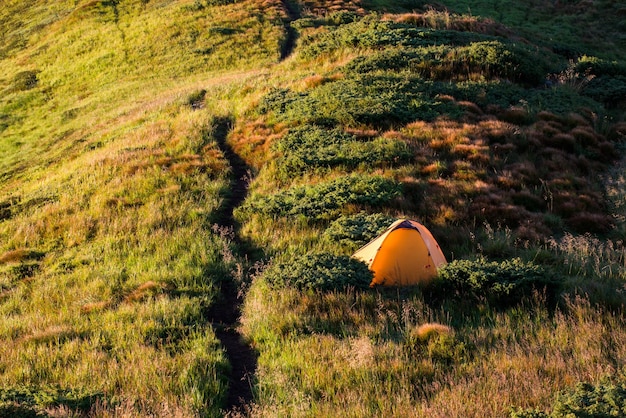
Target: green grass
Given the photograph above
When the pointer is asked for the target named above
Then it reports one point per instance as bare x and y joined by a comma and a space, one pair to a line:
111, 183
112, 190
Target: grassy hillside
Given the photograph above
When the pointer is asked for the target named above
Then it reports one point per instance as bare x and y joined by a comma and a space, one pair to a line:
500, 126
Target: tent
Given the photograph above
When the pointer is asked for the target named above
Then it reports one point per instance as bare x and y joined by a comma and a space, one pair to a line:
405, 254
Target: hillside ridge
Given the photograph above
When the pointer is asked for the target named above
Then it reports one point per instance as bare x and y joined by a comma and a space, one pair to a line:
183, 182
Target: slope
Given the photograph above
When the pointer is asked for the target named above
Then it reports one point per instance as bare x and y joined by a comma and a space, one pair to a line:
112, 180
115, 185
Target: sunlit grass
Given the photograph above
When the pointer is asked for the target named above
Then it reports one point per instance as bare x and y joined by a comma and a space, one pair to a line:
357, 351
111, 182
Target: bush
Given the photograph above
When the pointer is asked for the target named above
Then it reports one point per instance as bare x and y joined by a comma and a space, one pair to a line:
277, 100
373, 33
599, 67
379, 101
487, 59
606, 89
11, 409
312, 146
485, 93
306, 137
391, 60
357, 230
562, 100
320, 271
199, 5
585, 400
196, 99
325, 200
498, 283
25, 80
496, 59
341, 17
26, 401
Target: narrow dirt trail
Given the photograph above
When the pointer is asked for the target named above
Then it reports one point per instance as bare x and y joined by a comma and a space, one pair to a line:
293, 12
225, 313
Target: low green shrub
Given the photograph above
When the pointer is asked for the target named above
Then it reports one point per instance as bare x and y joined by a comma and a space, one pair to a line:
373, 100
324, 200
373, 33
27, 401
394, 59
196, 99
12, 409
25, 80
354, 231
199, 5
278, 100
319, 272
312, 146
605, 399
496, 59
341, 17
338, 18
498, 283
484, 93
311, 136
607, 89
586, 400
561, 100
599, 67
489, 59
529, 413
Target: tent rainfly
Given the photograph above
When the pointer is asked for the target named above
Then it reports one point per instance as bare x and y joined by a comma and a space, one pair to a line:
405, 254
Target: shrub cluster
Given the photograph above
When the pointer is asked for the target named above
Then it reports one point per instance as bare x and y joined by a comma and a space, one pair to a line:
320, 272
489, 59
32, 402
498, 283
199, 5
599, 67
325, 200
585, 400
312, 146
374, 100
25, 80
373, 33
608, 90
357, 230
539, 174
338, 18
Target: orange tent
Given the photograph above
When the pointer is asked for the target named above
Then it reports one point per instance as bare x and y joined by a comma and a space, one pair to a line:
405, 254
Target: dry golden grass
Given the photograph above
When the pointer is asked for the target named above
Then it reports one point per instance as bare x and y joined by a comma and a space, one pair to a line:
143, 291
495, 361
317, 80
252, 141
54, 333
439, 17
94, 307
427, 331
18, 255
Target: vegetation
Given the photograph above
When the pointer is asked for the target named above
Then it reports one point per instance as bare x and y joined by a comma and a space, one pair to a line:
605, 399
320, 272
354, 231
507, 282
499, 125
324, 200
309, 147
